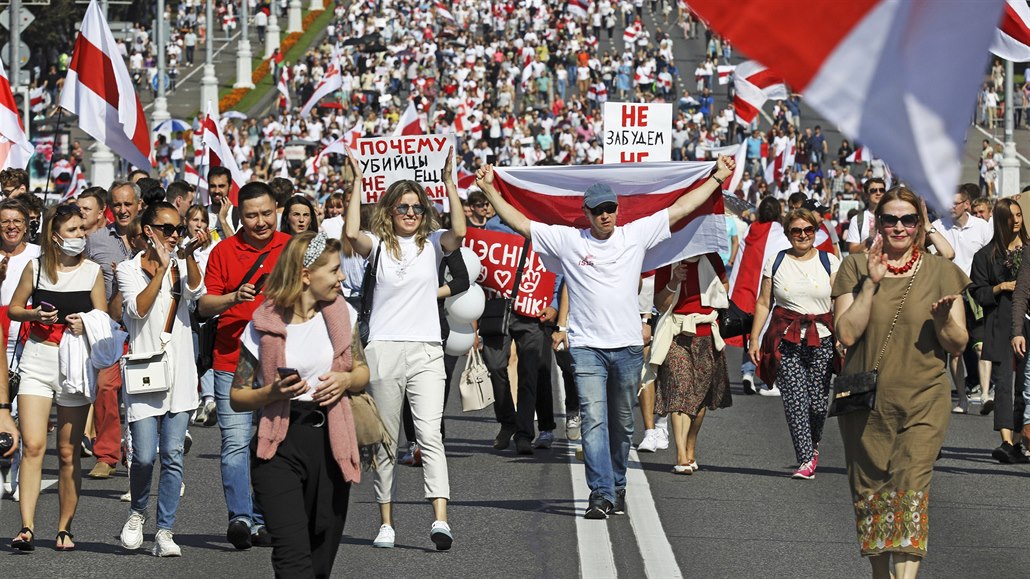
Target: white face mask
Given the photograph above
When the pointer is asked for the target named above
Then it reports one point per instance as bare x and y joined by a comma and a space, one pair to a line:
72, 247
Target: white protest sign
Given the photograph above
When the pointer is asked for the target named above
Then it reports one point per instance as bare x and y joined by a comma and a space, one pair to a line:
637, 132
420, 158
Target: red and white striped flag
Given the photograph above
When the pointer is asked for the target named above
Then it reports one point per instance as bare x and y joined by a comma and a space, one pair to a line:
284, 85
77, 185
725, 72
339, 147
466, 180
331, 82
761, 243
218, 154
410, 122
890, 74
443, 12
629, 36
1012, 39
782, 163
753, 84
861, 155
39, 99
192, 176
15, 149
578, 8
99, 90
554, 195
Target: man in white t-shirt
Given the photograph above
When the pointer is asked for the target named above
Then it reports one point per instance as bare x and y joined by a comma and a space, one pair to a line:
603, 332
862, 229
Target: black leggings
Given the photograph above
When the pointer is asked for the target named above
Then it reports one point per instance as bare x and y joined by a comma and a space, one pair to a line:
304, 499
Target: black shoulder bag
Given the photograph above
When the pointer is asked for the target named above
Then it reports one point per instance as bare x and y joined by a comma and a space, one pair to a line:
368, 289
497, 313
853, 392
208, 329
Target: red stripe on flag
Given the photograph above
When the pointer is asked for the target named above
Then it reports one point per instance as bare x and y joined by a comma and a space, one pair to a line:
779, 45
7, 100
744, 109
1013, 25
764, 79
749, 278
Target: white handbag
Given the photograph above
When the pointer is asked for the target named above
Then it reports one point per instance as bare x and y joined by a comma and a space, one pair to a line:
147, 372
477, 392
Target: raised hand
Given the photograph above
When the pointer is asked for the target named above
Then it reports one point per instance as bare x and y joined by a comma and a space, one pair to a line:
448, 168
198, 241
485, 176
877, 260
725, 165
942, 307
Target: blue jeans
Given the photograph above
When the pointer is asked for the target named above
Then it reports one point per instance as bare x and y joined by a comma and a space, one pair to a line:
236, 434
171, 430
207, 381
607, 380
748, 367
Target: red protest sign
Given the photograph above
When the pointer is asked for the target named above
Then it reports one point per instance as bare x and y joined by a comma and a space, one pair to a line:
500, 253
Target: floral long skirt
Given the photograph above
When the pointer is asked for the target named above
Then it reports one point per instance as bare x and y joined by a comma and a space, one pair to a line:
693, 377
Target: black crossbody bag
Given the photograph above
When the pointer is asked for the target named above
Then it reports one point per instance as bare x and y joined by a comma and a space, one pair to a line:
368, 290
497, 313
207, 330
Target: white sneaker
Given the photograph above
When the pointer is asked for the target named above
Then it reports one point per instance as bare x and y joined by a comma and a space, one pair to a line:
662, 437
164, 546
126, 498
182, 489
748, 383
774, 391
385, 538
132, 532
440, 534
650, 441
573, 427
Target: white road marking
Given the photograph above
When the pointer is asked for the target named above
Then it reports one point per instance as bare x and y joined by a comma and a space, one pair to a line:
596, 558
996, 140
659, 560
198, 67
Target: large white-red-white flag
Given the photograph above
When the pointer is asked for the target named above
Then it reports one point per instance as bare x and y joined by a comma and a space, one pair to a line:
578, 8
339, 147
331, 82
77, 186
861, 155
99, 90
410, 122
1012, 39
554, 195
284, 85
15, 149
753, 84
890, 73
217, 153
443, 12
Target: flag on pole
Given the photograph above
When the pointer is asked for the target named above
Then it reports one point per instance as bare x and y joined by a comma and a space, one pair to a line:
889, 73
554, 195
77, 185
15, 149
410, 122
578, 8
725, 72
443, 12
331, 82
1012, 38
753, 84
218, 154
861, 155
339, 147
284, 85
99, 90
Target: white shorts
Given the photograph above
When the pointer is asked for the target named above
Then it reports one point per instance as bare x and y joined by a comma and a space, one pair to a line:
41, 376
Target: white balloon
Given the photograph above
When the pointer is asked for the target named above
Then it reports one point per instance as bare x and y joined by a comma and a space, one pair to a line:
472, 263
466, 307
460, 340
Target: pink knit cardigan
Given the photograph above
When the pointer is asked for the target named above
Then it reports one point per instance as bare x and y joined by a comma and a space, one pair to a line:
275, 417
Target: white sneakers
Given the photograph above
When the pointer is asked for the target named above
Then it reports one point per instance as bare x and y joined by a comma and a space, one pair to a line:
573, 427
132, 531
164, 546
774, 391
654, 439
385, 538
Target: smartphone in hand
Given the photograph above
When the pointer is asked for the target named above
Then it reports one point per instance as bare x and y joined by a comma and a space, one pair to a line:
285, 373
47, 307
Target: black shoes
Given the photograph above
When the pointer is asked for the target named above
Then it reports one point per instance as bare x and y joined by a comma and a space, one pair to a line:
523, 446
1009, 454
262, 538
619, 508
238, 534
503, 438
598, 509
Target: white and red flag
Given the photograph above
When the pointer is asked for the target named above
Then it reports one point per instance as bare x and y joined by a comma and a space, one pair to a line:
410, 122
782, 162
284, 85
192, 176
339, 147
578, 8
554, 195
77, 186
99, 90
217, 153
1012, 39
331, 82
761, 243
892, 74
861, 155
443, 12
15, 149
725, 73
39, 99
753, 84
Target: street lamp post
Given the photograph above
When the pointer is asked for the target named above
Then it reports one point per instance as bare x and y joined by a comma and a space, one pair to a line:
1009, 163
243, 53
160, 113
102, 169
272, 33
209, 82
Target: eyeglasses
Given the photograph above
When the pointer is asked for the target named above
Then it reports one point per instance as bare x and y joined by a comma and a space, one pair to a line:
877, 190
403, 208
799, 231
480, 205
10, 222
909, 221
68, 210
604, 208
167, 229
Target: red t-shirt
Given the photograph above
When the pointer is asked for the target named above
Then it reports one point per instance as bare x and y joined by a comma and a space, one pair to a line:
226, 265
689, 301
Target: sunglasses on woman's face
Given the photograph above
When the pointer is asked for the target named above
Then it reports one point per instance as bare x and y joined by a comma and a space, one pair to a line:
167, 229
910, 221
799, 231
403, 208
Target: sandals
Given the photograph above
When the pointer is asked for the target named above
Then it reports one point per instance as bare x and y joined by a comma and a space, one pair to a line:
64, 537
686, 468
21, 544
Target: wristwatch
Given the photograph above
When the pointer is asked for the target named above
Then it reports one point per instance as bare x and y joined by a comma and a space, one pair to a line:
931, 231
564, 329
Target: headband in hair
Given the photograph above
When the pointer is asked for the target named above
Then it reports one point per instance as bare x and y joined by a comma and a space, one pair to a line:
315, 249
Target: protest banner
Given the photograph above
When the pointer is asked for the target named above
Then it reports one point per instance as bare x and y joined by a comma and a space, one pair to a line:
420, 158
500, 253
637, 133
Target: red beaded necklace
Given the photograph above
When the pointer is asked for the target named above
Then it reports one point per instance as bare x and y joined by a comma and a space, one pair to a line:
904, 269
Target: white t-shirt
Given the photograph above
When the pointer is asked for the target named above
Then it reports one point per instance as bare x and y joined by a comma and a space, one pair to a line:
333, 227
967, 240
861, 229
404, 307
308, 350
14, 270
803, 286
602, 277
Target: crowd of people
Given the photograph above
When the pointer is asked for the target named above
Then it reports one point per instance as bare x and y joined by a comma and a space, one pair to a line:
281, 310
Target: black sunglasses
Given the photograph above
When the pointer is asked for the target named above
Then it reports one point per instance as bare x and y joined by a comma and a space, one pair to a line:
910, 220
877, 190
403, 208
799, 231
480, 204
167, 229
603, 208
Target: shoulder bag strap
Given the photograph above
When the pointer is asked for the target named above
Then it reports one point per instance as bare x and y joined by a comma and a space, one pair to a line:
253, 269
369, 292
176, 294
518, 274
897, 315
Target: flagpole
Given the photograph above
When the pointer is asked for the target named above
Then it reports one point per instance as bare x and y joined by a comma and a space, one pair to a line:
1009, 164
53, 153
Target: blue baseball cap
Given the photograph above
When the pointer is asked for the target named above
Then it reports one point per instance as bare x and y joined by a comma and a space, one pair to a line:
597, 194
